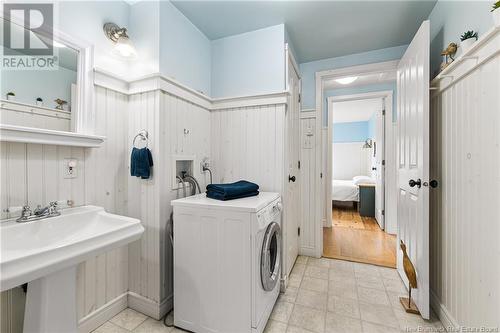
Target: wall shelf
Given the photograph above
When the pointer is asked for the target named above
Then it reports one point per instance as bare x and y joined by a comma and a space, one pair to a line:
10, 133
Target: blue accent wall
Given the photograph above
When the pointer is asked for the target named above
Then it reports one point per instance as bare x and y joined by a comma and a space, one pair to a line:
357, 131
250, 63
450, 19
308, 70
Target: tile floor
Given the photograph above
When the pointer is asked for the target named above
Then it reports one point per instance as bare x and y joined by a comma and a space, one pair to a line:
324, 296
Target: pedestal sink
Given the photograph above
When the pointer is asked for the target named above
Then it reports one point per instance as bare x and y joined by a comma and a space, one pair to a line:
45, 254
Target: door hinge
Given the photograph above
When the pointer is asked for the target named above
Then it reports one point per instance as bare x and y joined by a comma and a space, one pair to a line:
298, 164
383, 162
321, 175
383, 112
298, 231
300, 98
383, 211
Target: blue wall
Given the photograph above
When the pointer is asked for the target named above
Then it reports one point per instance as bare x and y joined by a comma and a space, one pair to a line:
357, 131
450, 19
184, 50
250, 63
308, 70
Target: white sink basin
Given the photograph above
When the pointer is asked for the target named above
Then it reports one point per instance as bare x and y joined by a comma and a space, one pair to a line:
46, 252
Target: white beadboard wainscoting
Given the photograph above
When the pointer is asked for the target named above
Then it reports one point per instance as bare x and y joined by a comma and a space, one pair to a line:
308, 176
465, 208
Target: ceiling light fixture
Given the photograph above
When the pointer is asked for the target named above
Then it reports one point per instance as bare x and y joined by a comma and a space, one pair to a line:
347, 80
123, 44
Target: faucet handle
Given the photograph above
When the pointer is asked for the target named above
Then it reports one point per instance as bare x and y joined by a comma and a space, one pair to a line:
26, 211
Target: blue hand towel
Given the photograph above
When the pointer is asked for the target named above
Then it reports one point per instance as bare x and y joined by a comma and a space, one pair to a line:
240, 189
141, 162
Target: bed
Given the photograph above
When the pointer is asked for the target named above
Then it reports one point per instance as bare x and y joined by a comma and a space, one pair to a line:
345, 190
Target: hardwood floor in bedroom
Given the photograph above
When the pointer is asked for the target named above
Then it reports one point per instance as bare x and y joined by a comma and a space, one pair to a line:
356, 238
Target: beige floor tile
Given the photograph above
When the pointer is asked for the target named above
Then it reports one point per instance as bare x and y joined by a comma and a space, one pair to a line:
314, 284
294, 280
335, 273
301, 260
376, 328
342, 265
308, 318
290, 294
343, 306
298, 269
108, 327
394, 299
282, 311
317, 272
152, 326
295, 329
343, 291
373, 296
414, 322
394, 285
319, 262
275, 327
378, 314
128, 319
365, 269
336, 323
312, 299
374, 282
389, 273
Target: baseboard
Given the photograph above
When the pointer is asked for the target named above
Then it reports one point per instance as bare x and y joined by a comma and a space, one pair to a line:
446, 318
149, 307
102, 314
307, 251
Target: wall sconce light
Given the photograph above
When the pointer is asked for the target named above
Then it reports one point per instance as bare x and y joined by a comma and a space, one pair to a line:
123, 44
368, 144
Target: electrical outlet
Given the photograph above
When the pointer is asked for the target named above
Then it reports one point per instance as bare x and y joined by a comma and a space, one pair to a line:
70, 168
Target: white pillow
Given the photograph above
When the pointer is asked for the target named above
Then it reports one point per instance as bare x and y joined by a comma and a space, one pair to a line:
362, 180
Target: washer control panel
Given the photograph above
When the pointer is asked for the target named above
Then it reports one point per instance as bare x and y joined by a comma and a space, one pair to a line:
270, 213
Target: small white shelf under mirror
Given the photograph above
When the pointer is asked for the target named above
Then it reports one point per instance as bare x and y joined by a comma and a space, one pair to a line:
12, 133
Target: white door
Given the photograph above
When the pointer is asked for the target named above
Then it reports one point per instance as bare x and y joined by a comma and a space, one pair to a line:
292, 202
378, 167
413, 162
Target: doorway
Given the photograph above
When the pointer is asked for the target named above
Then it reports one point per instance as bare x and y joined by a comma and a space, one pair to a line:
355, 227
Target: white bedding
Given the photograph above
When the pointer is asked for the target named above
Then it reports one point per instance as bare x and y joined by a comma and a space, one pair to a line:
344, 190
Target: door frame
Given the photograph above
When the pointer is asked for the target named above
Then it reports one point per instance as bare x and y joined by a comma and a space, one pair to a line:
387, 126
321, 77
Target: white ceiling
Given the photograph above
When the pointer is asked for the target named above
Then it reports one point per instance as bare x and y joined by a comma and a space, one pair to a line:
318, 29
358, 110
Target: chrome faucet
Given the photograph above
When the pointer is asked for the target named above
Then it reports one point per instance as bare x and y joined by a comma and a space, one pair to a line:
39, 213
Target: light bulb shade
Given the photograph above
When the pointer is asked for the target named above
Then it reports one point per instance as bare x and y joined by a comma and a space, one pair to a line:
125, 48
347, 80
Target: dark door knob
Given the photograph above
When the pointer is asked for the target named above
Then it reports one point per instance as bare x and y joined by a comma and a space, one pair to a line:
374, 168
291, 178
414, 183
433, 183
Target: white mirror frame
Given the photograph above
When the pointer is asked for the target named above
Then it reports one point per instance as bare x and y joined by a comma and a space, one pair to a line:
82, 112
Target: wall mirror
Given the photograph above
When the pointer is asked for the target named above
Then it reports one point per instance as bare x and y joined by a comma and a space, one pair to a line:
46, 98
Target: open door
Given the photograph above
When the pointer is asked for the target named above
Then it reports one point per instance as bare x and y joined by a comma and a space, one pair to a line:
292, 203
413, 163
378, 166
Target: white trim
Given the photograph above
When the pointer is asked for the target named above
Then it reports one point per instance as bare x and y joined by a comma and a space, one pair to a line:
98, 317
321, 77
11, 133
157, 81
309, 113
34, 109
149, 307
444, 316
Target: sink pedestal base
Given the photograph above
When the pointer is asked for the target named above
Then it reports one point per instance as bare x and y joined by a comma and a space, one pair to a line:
51, 303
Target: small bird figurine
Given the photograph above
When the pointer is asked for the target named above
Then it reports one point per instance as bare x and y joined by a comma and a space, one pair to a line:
411, 274
450, 51
60, 103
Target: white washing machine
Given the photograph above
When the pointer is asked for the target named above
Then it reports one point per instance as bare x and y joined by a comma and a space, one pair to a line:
227, 261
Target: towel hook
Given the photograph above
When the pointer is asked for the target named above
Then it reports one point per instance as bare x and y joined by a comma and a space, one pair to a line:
143, 135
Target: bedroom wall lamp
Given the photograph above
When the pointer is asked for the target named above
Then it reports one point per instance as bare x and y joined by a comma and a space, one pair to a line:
368, 144
123, 44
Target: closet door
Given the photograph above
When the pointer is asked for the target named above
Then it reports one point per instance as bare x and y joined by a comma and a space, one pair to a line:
413, 163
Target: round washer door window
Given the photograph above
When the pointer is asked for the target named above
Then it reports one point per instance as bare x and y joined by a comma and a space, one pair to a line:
270, 257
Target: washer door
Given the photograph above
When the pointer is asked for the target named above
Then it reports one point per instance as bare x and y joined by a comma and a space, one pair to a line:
270, 257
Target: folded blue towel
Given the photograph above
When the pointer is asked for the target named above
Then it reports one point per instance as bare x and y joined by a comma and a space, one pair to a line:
141, 162
219, 196
233, 189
